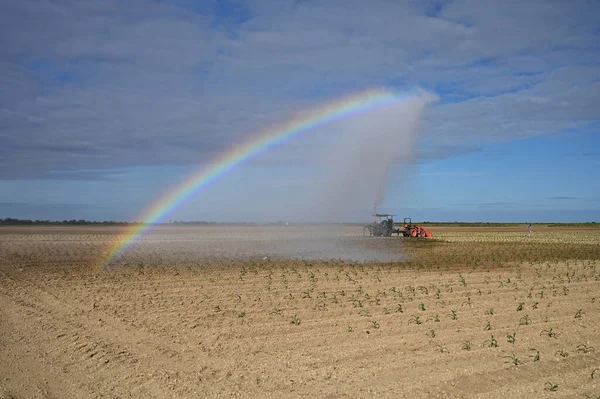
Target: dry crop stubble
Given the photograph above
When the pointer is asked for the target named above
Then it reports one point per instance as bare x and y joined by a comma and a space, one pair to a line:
175, 323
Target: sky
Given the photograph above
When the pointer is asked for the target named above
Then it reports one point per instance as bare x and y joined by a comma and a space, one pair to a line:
107, 106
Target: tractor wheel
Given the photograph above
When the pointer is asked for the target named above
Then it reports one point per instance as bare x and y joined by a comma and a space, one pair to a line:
413, 233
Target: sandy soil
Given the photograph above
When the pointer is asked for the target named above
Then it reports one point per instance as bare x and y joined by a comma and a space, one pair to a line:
186, 319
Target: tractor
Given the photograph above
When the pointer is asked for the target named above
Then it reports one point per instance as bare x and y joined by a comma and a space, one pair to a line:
383, 226
412, 230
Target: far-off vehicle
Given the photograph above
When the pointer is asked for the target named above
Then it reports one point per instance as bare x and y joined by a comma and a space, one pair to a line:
383, 226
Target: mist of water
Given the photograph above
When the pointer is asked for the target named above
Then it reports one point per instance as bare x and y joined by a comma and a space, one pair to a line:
353, 168
366, 147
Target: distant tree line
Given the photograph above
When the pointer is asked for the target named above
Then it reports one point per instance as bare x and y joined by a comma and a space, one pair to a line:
80, 222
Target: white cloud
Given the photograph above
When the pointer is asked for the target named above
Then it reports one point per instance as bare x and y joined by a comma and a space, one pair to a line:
152, 83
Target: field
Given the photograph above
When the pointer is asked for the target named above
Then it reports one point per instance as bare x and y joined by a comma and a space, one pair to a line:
224, 312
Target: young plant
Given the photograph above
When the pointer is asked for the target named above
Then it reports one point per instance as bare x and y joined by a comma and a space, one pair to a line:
520, 306
452, 315
295, 320
490, 312
374, 324
511, 338
579, 314
562, 353
399, 308
549, 333
487, 327
277, 312
583, 348
512, 359
536, 356
548, 386
422, 306
357, 303
491, 343
466, 345
431, 333
525, 320
415, 320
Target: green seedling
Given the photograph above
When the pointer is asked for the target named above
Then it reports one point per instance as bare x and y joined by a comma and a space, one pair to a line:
422, 306
415, 320
399, 309
594, 373
536, 356
435, 318
452, 315
490, 312
356, 302
491, 343
487, 326
583, 348
535, 305
350, 329
295, 320
431, 333
548, 386
442, 349
466, 345
511, 338
520, 307
549, 333
375, 324
525, 320
241, 314
579, 314
562, 353
512, 359
277, 312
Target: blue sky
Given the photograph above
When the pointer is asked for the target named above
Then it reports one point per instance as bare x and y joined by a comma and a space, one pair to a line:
104, 107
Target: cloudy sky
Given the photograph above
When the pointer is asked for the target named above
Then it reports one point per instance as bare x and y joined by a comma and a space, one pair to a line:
105, 106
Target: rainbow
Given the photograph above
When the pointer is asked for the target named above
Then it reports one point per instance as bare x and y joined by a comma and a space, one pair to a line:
243, 153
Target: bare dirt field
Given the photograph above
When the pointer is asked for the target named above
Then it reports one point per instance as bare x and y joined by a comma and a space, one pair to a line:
226, 311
